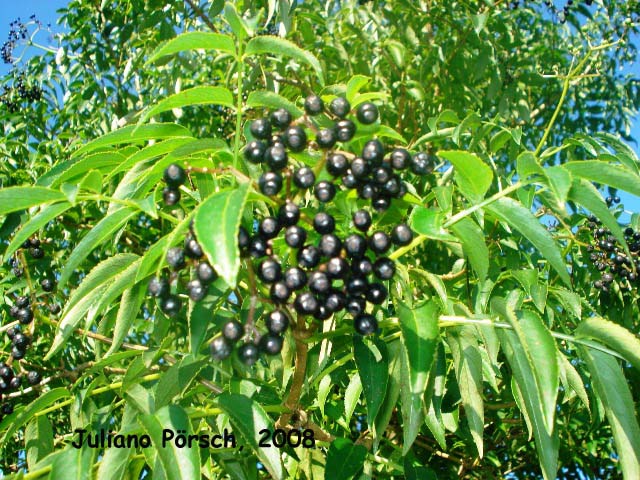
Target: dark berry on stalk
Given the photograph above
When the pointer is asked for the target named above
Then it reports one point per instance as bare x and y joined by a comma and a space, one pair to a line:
340, 107
257, 246
367, 113
357, 285
295, 236
381, 203
379, 242
337, 267
628, 231
174, 175
306, 304
276, 157
33, 377
277, 322
26, 244
158, 287
13, 331
206, 273
335, 301
255, 150
319, 282
384, 268
345, 130
355, 305
360, 168
270, 344
15, 383
192, 248
324, 191
34, 242
393, 187
261, 128
304, 178
22, 301
295, 138
399, 159
367, 190
269, 271
269, 228
20, 340
373, 152
243, 238
362, 267
17, 353
365, 324
376, 293
337, 164
326, 138
295, 278
248, 353
323, 313
18, 271
54, 308
281, 118
270, 183
6, 372
175, 258
7, 409
279, 292
170, 196
381, 175
355, 245
170, 305
330, 245
25, 315
197, 290
219, 348
616, 199
401, 235
36, 252
232, 330
421, 164
313, 105
324, 223
349, 180
362, 220
607, 278
308, 256
288, 214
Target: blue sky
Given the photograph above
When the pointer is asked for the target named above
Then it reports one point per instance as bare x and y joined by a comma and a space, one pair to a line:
46, 13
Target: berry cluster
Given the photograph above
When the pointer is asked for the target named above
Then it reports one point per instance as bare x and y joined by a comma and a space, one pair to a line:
17, 32
12, 97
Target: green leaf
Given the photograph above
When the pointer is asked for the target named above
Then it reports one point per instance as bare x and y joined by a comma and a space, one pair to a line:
527, 165
74, 463
344, 459
102, 161
177, 463
428, 222
130, 304
606, 173
177, 379
373, 366
279, 46
194, 41
612, 389
473, 176
515, 215
559, 182
38, 439
237, 24
13, 199
248, 418
264, 98
217, 221
419, 333
471, 237
354, 85
612, 335
134, 134
351, 395
192, 96
468, 365
102, 231
86, 295
572, 379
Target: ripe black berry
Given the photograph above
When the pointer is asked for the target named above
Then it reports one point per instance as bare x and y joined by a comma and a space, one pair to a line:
295, 138
255, 150
340, 107
269, 271
357, 285
25, 315
324, 223
248, 353
158, 287
326, 138
349, 180
319, 282
313, 105
324, 191
22, 301
232, 331
277, 322
170, 196
279, 292
192, 248
295, 236
335, 301
270, 344
360, 168
20, 340
197, 290
384, 268
269, 228
7, 409
219, 348
365, 324
330, 245
337, 164
373, 152
367, 190
13, 311
174, 176
295, 278
16, 382
362, 267
54, 308
337, 267
36, 252
367, 113
355, 245
401, 235
288, 214
376, 293
399, 159
308, 256
345, 130
276, 157
421, 164
393, 186
33, 377
306, 304
6, 373
205, 273
381, 203
304, 178
270, 183
355, 305
281, 118
362, 220
379, 242
13, 331
17, 353
261, 128
323, 313
175, 258
170, 305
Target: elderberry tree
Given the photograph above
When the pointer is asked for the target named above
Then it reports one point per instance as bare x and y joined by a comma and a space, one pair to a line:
304, 242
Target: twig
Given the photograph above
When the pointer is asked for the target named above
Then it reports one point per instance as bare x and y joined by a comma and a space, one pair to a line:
203, 16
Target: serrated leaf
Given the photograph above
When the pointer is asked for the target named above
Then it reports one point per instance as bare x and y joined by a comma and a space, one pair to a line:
177, 463
612, 335
559, 182
351, 395
474, 246
473, 176
527, 165
264, 98
13, 199
193, 96
515, 215
216, 224
344, 459
354, 85
101, 161
130, 304
38, 439
373, 367
572, 379
194, 41
248, 418
279, 46
612, 389
177, 379
237, 24
428, 222
74, 463
606, 173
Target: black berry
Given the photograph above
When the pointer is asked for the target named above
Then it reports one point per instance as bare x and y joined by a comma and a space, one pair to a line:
261, 128
324, 223
288, 214
277, 322
340, 107
313, 105
205, 273
295, 236
295, 138
175, 258
337, 164
304, 178
219, 348
345, 130
197, 290
365, 324
399, 159
276, 157
269, 271
158, 287
281, 118
379, 242
324, 191
33, 377
362, 220
170, 196
384, 268
270, 344
367, 113
270, 183
248, 353
306, 304
401, 235
174, 175
295, 278
232, 331
170, 305
308, 256
279, 292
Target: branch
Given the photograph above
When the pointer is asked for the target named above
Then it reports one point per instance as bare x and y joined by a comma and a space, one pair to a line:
203, 16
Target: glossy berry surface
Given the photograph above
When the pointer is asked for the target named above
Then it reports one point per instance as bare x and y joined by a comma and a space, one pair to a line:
220, 348
313, 105
270, 344
304, 178
340, 107
232, 331
261, 128
174, 175
295, 236
367, 113
277, 322
365, 324
176, 258
270, 183
248, 353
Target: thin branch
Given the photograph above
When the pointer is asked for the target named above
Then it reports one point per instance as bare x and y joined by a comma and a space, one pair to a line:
203, 16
